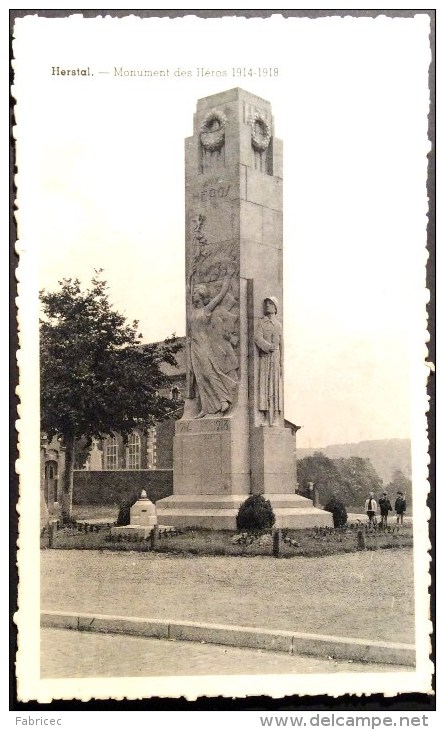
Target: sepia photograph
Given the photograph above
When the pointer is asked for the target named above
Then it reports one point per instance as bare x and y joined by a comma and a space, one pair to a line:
222, 229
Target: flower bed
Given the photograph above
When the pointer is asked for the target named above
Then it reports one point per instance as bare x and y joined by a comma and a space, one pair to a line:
307, 543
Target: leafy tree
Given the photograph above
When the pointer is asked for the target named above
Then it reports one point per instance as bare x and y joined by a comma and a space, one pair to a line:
399, 483
320, 470
349, 480
82, 450
96, 377
357, 477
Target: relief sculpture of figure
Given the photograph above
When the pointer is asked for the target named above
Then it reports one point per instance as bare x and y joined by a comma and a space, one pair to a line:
213, 360
269, 340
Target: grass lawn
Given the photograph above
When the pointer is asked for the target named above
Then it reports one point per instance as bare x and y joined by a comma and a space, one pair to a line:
95, 512
364, 594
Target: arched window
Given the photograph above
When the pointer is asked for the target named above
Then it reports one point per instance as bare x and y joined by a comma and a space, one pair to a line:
134, 451
111, 462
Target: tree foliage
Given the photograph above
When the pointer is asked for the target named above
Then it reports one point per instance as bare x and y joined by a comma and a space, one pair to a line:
400, 483
349, 480
320, 470
96, 377
358, 477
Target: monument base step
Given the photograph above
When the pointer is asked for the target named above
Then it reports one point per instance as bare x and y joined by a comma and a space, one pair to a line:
218, 512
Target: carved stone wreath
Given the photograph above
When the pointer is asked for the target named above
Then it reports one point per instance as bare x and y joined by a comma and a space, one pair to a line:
213, 130
261, 132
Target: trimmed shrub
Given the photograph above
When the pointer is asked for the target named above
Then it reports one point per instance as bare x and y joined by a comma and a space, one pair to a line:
255, 515
338, 511
123, 517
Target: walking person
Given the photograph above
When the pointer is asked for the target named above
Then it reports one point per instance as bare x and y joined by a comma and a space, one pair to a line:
371, 508
385, 507
400, 507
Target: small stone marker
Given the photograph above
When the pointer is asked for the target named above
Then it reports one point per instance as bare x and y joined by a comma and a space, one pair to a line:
361, 541
143, 512
276, 543
52, 529
154, 537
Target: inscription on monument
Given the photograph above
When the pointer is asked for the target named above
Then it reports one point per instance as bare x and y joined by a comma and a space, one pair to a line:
207, 193
219, 425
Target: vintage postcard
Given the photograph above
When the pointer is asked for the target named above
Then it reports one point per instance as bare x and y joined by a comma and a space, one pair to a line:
222, 306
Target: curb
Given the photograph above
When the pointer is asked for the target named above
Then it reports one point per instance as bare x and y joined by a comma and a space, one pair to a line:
290, 642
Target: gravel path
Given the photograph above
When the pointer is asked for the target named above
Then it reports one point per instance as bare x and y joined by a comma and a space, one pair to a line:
367, 595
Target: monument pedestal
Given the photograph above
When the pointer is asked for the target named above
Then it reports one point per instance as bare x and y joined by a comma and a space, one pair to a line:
214, 474
218, 512
273, 465
207, 511
210, 456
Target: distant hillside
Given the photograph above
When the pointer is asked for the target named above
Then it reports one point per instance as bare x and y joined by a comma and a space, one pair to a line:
386, 455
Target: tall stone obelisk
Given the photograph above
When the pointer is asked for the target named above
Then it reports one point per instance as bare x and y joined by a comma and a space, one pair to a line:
231, 440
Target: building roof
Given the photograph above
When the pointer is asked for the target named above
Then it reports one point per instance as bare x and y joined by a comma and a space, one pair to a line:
171, 370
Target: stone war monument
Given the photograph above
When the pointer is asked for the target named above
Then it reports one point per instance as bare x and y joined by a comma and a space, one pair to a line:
231, 440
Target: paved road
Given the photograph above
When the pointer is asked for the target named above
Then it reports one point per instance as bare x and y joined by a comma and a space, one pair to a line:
66, 653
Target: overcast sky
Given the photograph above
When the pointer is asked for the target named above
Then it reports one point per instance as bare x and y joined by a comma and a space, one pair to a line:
101, 185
